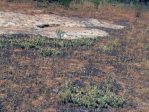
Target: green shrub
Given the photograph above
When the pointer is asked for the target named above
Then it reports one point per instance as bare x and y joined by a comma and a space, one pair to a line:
25, 43
32, 42
96, 3
105, 48
50, 52
65, 3
90, 96
12, 41
8, 41
109, 46
40, 42
147, 47
1, 43
82, 42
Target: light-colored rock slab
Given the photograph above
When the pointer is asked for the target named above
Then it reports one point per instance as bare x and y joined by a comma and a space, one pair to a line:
11, 22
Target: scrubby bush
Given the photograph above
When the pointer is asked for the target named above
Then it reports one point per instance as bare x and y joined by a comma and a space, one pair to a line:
66, 3
32, 43
90, 96
82, 42
50, 52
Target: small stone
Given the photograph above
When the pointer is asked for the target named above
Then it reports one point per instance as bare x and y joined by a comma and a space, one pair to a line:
56, 90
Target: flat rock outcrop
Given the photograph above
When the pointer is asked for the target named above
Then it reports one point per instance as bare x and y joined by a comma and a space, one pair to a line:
49, 25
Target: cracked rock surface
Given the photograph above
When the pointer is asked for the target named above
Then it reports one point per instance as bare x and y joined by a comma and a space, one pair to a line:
48, 24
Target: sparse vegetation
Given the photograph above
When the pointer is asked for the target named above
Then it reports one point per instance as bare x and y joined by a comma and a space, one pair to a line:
147, 47
46, 47
60, 33
65, 3
34, 42
109, 46
27, 43
82, 42
30, 82
96, 3
51, 52
90, 96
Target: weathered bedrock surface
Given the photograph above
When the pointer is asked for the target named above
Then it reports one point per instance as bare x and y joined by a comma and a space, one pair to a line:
49, 24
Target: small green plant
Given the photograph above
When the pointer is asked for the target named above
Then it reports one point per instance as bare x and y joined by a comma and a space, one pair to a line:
57, 43
90, 96
147, 47
72, 43
32, 43
50, 52
109, 46
12, 41
1, 43
82, 42
25, 43
96, 3
65, 3
60, 33
40, 42
105, 48
8, 41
